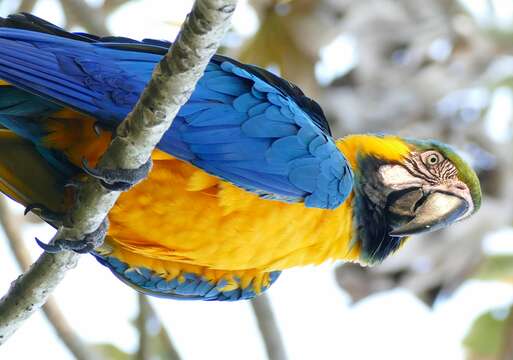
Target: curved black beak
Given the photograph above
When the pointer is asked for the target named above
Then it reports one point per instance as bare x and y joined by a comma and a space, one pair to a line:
430, 212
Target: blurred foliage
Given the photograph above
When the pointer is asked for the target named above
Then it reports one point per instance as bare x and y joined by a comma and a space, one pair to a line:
497, 267
275, 47
486, 336
112, 352
491, 334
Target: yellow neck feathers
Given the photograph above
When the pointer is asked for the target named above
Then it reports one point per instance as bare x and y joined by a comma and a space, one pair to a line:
389, 147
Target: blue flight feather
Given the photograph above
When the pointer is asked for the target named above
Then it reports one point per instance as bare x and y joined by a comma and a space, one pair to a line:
245, 102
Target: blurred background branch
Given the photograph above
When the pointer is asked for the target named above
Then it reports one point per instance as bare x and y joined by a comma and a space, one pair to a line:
268, 326
12, 227
26, 5
92, 19
154, 341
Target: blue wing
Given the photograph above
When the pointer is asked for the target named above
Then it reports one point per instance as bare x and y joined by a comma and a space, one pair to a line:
242, 123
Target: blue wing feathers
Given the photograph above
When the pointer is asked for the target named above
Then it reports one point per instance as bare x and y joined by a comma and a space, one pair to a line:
228, 85
305, 177
258, 109
217, 116
245, 102
274, 113
210, 135
192, 108
255, 127
306, 136
286, 149
249, 179
251, 148
256, 165
242, 124
190, 287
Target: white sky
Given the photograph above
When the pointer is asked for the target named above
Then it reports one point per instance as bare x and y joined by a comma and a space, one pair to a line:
314, 314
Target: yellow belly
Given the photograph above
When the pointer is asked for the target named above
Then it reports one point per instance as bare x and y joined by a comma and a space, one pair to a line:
182, 214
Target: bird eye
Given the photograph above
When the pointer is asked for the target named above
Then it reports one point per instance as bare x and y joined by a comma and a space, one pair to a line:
431, 158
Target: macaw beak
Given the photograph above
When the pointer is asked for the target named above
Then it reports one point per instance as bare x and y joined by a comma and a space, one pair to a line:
431, 211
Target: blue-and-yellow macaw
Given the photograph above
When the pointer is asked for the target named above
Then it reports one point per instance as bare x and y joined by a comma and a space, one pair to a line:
248, 180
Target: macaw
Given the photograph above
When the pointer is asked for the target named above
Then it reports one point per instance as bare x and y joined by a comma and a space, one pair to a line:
247, 182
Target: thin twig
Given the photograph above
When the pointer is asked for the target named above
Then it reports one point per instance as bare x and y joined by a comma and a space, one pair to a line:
73, 342
109, 6
80, 12
169, 351
143, 318
146, 316
171, 85
268, 328
93, 19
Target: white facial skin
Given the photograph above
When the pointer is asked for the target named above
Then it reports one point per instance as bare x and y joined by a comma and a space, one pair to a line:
429, 171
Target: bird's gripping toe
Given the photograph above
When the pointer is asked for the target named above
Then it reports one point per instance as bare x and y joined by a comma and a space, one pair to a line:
118, 179
87, 244
51, 217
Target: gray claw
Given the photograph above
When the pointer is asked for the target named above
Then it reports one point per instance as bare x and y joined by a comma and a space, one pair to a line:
44, 213
87, 244
118, 179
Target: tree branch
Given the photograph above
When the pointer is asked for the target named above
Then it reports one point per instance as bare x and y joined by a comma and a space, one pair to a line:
144, 350
93, 19
148, 316
51, 310
268, 328
171, 85
168, 348
110, 6
26, 6
80, 12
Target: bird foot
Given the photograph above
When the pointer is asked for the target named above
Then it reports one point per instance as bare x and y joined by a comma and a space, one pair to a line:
87, 244
118, 179
44, 213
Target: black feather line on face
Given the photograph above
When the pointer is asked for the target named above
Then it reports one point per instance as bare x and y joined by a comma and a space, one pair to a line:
372, 223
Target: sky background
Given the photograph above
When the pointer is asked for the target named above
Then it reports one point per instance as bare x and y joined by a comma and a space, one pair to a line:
314, 314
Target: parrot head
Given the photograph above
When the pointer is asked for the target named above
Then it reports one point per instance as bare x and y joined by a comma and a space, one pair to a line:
405, 187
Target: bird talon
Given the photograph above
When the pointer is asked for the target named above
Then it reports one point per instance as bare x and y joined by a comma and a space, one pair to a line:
118, 179
44, 213
31, 207
52, 249
87, 244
